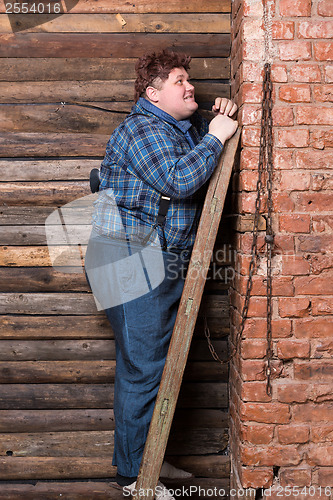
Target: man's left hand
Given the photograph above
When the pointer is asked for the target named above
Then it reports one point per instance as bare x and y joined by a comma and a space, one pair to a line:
224, 106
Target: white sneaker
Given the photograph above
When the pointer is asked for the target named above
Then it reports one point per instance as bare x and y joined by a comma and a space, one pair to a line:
169, 471
162, 493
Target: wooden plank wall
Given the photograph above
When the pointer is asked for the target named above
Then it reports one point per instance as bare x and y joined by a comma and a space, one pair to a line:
57, 358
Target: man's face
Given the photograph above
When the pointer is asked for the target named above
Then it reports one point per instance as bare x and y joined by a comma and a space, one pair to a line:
176, 95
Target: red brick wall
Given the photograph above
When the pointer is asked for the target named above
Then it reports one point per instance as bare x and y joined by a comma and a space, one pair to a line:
286, 439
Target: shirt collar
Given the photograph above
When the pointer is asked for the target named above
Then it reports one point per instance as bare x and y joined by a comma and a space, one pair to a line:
182, 125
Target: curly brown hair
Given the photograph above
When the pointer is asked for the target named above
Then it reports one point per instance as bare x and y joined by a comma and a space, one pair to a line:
152, 67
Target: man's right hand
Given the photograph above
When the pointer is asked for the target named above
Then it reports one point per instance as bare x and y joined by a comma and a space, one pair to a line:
223, 127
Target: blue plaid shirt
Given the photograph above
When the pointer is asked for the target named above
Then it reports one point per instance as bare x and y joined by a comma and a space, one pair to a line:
149, 154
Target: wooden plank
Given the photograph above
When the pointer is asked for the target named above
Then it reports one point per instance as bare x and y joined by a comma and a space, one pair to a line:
144, 6
55, 396
100, 443
185, 321
213, 466
41, 280
90, 490
43, 193
58, 444
85, 69
47, 303
56, 420
52, 303
51, 145
111, 45
25, 216
58, 372
53, 350
22, 468
75, 396
14, 170
53, 327
84, 350
92, 372
92, 419
55, 118
23, 235
108, 23
80, 327
74, 490
93, 91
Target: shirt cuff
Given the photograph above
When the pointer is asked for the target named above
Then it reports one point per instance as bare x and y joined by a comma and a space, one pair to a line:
213, 143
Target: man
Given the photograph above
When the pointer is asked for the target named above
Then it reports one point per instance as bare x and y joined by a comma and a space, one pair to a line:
163, 148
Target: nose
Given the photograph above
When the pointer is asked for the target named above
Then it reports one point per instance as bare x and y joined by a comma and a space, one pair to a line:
189, 86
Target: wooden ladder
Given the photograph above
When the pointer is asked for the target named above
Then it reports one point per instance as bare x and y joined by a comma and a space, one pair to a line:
185, 322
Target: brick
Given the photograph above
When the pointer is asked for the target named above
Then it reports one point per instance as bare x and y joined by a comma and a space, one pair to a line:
315, 285
253, 50
253, 370
255, 391
292, 477
322, 433
321, 139
252, 8
320, 455
325, 476
269, 413
282, 202
312, 412
328, 73
254, 349
314, 115
249, 115
258, 477
320, 392
282, 117
251, 136
282, 286
250, 158
292, 392
305, 73
295, 265
247, 180
322, 306
313, 328
253, 29
313, 159
297, 307
295, 93
296, 138
320, 262
325, 8
318, 369
251, 93
283, 159
323, 93
322, 348
298, 50
293, 434
270, 455
322, 180
313, 202
297, 8
323, 51
295, 223
294, 181
251, 72
283, 30
316, 244
279, 73
256, 328
257, 433
290, 349
322, 223
315, 29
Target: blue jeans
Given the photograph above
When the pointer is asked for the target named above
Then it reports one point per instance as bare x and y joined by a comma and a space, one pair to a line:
142, 329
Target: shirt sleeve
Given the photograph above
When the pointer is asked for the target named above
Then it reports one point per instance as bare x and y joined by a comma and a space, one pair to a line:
156, 158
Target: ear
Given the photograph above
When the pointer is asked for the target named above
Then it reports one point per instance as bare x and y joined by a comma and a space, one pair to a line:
152, 94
